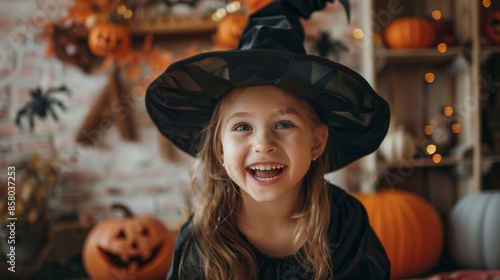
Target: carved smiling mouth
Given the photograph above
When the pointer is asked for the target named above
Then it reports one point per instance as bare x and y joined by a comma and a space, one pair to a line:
115, 259
266, 172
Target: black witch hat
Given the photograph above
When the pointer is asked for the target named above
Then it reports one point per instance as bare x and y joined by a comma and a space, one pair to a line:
181, 100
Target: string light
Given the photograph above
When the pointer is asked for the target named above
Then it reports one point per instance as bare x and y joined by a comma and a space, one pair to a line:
436, 158
429, 77
126, 13
442, 47
428, 129
448, 111
436, 14
358, 33
230, 8
486, 3
431, 149
456, 128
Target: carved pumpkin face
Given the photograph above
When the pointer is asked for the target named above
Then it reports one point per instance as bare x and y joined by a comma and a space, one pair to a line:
139, 247
107, 39
492, 28
229, 30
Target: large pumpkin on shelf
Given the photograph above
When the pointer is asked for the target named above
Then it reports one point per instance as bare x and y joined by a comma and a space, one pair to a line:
474, 231
409, 33
492, 27
139, 247
109, 39
409, 228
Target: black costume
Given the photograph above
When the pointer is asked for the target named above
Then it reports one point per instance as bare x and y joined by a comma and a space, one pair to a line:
356, 251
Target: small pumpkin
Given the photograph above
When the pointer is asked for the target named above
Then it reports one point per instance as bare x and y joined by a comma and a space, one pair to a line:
474, 231
492, 27
409, 33
409, 228
229, 31
139, 247
109, 39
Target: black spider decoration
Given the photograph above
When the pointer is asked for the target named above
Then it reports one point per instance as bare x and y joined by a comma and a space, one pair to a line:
324, 46
40, 105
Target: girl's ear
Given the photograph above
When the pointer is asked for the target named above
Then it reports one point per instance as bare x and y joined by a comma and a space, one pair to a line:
320, 138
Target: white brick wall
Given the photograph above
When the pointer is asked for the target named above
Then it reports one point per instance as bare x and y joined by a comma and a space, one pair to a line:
133, 174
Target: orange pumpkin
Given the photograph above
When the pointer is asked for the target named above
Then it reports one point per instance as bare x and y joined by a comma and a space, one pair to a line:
138, 247
492, 28
409, 33
109, 39
409, 228
229, 31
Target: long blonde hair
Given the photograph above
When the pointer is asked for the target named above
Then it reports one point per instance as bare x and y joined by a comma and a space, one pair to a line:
221, 251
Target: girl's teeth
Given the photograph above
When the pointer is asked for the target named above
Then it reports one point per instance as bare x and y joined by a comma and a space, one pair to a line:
266, 167
266, 179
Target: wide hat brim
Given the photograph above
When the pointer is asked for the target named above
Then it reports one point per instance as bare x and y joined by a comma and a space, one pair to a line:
180, 101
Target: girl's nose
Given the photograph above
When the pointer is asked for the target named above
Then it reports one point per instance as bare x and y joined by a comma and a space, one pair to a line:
264, 142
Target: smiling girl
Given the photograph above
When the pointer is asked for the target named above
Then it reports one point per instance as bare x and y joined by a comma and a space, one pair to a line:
266, 122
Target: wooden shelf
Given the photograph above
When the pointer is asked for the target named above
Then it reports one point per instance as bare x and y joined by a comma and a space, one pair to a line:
174, 25
427, 56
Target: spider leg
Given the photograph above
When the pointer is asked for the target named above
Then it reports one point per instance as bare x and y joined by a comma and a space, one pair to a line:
57, 102
62, 88
51, 110
20, 113
32, 120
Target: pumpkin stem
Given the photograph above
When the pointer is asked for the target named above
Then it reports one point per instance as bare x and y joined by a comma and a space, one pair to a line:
125, 210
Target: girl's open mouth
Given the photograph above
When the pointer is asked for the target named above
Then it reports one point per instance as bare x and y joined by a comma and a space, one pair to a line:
266, 172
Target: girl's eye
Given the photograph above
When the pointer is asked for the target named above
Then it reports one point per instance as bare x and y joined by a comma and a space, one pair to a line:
242, 127
283, 125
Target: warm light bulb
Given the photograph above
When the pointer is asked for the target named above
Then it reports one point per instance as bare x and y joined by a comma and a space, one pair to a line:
448, 111
428, 129
121, 9
456, 128
436, 14
233, 6
128, 14
486, 3
358, 33
429, 77
431, 149
436, 158
442, 47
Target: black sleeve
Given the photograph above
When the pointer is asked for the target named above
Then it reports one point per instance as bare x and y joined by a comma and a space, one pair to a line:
183, 242
357, 251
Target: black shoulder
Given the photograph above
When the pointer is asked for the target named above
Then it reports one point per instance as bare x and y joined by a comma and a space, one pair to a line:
183, 246
357, 252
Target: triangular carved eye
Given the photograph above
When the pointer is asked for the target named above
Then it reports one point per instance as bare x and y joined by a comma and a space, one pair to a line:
121, 235
145, 232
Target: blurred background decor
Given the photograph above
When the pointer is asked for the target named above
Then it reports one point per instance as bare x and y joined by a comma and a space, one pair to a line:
409, 228
444, 143
473, 229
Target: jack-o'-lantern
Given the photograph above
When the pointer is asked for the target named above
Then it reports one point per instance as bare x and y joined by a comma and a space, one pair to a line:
492, 27
139, 247
109, 39
229, 31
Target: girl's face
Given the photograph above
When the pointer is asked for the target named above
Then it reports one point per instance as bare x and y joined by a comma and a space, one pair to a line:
267, 145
